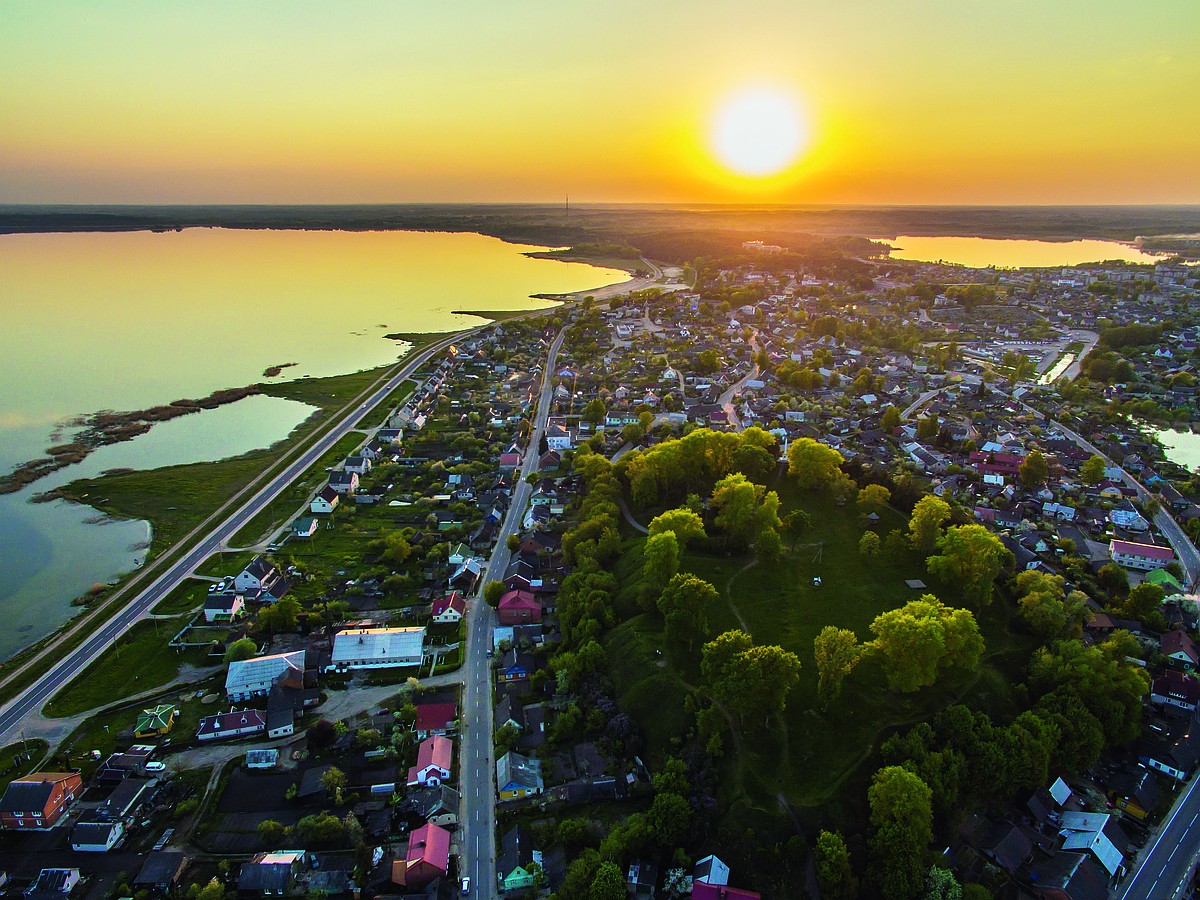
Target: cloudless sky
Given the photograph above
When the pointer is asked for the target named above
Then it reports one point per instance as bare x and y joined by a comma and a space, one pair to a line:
924, 101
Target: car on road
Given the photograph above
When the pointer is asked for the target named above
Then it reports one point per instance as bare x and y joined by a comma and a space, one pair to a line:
466, 886
155, 767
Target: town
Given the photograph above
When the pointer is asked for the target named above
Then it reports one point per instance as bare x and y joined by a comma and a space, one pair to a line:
796, 573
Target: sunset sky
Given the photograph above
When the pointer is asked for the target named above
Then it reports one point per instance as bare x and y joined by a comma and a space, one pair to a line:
933, 101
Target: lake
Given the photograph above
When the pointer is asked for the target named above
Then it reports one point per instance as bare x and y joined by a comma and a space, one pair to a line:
1181, 447
128, 320
980, 253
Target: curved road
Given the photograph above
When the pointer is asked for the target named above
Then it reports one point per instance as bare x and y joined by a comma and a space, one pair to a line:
30, 701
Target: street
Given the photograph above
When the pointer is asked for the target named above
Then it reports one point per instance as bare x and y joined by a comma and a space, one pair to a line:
477, 826
1163, 868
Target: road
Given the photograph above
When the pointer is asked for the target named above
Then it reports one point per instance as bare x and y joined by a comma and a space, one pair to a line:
726, 398
30, 701
476, 767
1163, 869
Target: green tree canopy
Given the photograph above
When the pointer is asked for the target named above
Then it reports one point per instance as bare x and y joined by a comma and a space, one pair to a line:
813, 465
682, 521
970, 558
683, 603
1092, 471
901, 831
835, 873
925, 526
1034, 470
660, 563
920, 639
243, 648
836, 653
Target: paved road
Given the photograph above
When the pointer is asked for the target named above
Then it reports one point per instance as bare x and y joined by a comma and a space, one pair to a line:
477, 825
1164, 868
726, 398
31, 700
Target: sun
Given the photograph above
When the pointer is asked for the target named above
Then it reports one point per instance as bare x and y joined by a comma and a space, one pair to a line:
759, 131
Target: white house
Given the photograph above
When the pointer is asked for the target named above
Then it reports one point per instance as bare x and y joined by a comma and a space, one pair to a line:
325, 501
344, 482
378, 648
359, 465
449, 608
1145, 557
257, 575
559, 438
223, 605
255, 677
235, 723
96, 837
433, 762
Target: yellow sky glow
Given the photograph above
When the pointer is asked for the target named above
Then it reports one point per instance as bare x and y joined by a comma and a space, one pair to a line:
929, 101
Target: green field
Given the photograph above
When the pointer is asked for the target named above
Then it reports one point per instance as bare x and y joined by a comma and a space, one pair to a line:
186, 597
812, 757
21, 758
139, 661
379, 415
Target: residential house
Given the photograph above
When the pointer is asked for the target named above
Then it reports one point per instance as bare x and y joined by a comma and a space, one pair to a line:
1134, 792
156, 721
378, 648
433, 762
518, 607
1125, 516
233, 724
1144, 557
518, 776
304, 528
96, 837
436, 805
36, 802
514, 865
1172, 748
258, 576
1176, 689
711, 870
559, 438
53, 884
516, 667
449, 608
641, 878
161, 871
325, 502
345, 483
223, 605
435, 718
272, 874
1069, 876
1178, 647
1097, 834
427, 858
358, 465
255, 677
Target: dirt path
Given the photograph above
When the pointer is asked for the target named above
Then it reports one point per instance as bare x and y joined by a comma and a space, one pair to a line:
729, 596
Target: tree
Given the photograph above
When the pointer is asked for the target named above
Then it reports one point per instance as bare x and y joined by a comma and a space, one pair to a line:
660, 563
392, 548
1113, 579
836, 653
271, 834
736, 499
812, 464
322, 829
890, 419
1033, 470
280, 616
940, 884
241, 649
873, 498
753, 680
683, 603
668, 818
1092, 471
768, 546
334, 781
869, 543
925, 526
835, 873
683, 522
594, 411
608, 883
1045, 606
922, 638
795, 523
928, 428
901, 830
492, 592
970, 557
214, 890
1143, 601
707, 362
718, 655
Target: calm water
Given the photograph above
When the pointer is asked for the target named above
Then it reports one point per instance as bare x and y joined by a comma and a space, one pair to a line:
123, 321
983, 252
1181, 447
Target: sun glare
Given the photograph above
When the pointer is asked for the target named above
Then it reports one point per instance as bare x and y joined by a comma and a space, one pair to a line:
759, 131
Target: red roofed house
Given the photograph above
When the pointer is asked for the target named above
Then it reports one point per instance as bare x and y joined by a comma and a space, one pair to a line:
435, 718
36, 802
996, 463
510, 462
1146, 557
1173, 688
427, 859
1177, 646
450, 608
702, 890
518, 608
433, 762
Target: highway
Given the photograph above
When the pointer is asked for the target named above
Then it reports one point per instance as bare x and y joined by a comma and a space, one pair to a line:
30, 701
477, 825
1163, 869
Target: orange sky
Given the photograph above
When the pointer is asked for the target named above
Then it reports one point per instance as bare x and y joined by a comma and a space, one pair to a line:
939, 101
